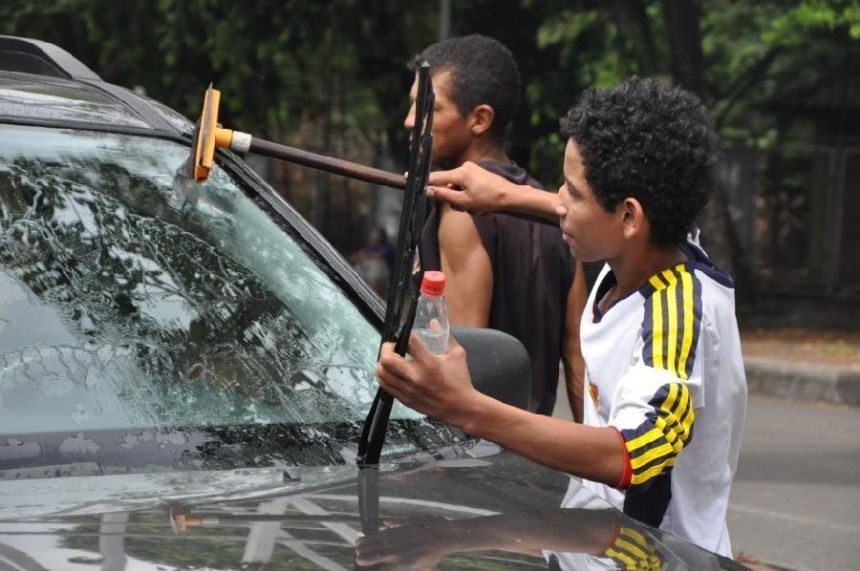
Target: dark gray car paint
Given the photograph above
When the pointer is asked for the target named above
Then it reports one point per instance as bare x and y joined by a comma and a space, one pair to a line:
488, 512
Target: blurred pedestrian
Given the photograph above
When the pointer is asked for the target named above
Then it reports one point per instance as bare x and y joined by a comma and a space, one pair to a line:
374, 262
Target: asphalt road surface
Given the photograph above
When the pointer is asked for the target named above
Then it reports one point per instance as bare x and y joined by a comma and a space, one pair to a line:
796, 498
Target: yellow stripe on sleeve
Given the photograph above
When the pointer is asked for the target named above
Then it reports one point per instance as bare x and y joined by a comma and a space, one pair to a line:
631, 548
665, 449
657, 337
656, 282
678, 435
687, 421
633, 551
671, 327
670, 432
624, 558
660, 424
689, 311
652, 472
645, 439
670, 398
663, 426
638, 538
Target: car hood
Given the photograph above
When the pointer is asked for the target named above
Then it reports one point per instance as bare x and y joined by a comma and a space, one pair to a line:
491, 512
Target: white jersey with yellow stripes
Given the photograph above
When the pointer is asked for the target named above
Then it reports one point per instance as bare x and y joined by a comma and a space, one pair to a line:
664, 368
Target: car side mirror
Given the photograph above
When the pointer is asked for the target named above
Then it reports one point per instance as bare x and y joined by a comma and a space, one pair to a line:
498, 363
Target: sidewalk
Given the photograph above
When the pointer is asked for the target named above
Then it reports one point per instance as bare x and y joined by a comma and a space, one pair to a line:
803, 364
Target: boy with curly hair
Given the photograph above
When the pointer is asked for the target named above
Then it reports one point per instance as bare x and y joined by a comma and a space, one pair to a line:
665, 385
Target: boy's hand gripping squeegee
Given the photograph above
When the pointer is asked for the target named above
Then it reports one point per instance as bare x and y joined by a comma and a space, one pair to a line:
209, 135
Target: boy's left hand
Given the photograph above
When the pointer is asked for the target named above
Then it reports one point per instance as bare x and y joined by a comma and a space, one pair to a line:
438, 386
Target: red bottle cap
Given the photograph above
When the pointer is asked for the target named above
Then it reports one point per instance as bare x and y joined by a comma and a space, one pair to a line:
433, 284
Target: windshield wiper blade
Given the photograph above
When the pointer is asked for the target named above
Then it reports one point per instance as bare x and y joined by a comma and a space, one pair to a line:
408, 267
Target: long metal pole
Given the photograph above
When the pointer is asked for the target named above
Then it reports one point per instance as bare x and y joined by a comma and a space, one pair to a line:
349, 169
328, 164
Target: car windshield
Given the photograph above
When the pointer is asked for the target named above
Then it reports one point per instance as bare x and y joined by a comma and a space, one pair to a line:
131, 298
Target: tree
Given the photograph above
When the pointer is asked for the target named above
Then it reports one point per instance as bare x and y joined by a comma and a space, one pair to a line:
331, 76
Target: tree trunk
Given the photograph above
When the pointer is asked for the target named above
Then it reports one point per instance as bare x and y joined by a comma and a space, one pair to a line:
632, 13
321, 193
685, 44
719, 234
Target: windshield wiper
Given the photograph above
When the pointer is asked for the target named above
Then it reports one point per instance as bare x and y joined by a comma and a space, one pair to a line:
408, 266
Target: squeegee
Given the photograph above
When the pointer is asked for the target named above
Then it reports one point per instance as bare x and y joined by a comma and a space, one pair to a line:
210, 135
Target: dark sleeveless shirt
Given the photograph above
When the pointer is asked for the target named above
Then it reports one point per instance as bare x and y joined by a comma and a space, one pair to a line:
532, 274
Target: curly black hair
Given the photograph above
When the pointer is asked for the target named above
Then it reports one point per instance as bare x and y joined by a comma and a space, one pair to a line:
483, 72
648, 141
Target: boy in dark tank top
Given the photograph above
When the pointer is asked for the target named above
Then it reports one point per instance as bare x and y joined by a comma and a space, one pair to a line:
503, 272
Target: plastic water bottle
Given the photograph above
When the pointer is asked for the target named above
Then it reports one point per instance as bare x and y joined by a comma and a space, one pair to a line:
431, 315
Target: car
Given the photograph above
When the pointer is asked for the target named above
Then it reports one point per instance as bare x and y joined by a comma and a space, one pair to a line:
184, 372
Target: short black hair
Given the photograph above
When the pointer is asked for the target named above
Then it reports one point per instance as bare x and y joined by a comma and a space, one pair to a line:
649, 141
483, 72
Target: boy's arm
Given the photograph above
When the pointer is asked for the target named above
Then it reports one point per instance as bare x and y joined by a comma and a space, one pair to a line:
569, 530
585, 451
479, 191
467, 267
574, 365
441, 388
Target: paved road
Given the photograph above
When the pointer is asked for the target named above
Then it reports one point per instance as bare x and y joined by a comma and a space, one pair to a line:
796, 498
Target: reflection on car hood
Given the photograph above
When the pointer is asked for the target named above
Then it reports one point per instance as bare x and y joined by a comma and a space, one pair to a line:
495, 512
85, 494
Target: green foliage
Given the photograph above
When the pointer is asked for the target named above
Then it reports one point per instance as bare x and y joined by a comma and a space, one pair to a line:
794, 27
298, 69
279, 65
594, 45
331, 76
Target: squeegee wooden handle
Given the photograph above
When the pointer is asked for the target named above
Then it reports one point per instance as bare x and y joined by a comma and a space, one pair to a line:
351, 170
328, 164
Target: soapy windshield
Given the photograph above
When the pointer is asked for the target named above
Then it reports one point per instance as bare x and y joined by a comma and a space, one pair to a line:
131, 298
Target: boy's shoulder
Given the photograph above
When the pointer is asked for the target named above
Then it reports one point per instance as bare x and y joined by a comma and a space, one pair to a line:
699, 260
679, 300
512, 172
698, 275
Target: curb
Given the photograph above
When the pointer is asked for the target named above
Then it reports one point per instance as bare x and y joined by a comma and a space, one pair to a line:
801, 381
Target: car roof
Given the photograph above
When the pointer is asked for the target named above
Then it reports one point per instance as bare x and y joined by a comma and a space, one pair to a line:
41, 82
